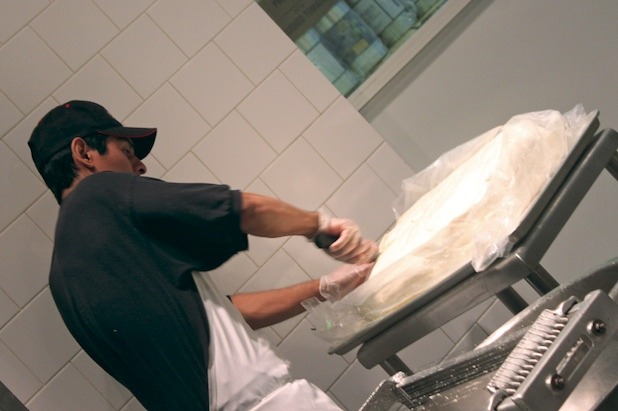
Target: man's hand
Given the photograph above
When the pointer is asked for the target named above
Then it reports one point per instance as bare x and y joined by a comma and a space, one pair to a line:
350, 247
336, 285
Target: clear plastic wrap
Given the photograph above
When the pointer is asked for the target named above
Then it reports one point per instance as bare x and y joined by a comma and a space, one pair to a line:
460, 210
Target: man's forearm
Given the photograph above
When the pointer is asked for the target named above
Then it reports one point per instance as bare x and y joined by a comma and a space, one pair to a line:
269, 217
264, 308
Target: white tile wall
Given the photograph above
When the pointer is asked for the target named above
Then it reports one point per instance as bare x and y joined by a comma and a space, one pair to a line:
279, 271
234, 7
20, 182
144, 56
301, 176
121, 12
356, 384
190, 170
40, 68
367, 206
36, 336
179, 125
235, 102
44, 213
99, 80
468, 342
21, 12
389, 166
15, 375
191, 24
133, 405
313, 261
313, 349
212, 83
25, 253
17, 137
231, 143
254, 43
85, 30
83, 396
342, 137
9, 114
310, 82
8, 308
109, 388
496, 315
429, 350
458, 327
278, 111
232, 276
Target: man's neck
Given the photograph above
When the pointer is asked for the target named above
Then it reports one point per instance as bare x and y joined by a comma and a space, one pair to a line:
78, 178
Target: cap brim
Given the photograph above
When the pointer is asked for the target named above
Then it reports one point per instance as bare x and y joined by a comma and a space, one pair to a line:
143, 138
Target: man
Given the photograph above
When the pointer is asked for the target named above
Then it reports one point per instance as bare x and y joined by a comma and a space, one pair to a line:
124, 271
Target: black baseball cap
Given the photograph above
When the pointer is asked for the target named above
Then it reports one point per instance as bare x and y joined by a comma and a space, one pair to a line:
78, 118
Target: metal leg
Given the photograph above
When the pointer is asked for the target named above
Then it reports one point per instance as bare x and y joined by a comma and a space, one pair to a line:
513, 301
8, 401
542, 281
612, 166
393, 364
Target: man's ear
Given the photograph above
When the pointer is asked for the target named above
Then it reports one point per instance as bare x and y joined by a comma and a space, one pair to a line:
81, 152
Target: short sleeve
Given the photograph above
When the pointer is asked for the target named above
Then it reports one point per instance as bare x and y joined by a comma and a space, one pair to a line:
199, 223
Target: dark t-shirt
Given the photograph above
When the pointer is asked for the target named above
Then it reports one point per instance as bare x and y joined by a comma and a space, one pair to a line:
124, 252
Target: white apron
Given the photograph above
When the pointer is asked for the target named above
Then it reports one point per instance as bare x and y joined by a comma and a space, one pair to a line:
244, 372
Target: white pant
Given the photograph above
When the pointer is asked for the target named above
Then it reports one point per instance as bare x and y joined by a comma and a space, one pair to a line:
298, 395
244, 372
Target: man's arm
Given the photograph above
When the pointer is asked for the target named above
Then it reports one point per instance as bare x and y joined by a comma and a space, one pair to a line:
264, 308
270, 217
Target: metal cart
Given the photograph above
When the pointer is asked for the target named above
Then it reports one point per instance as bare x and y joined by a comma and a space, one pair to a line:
381, 341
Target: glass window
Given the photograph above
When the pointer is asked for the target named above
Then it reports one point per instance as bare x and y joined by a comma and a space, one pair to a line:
348, 40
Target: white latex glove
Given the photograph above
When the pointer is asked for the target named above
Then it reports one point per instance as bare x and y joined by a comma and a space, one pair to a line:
336, 285
350, 247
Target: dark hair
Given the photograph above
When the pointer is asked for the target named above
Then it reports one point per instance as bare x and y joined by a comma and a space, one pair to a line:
60, 170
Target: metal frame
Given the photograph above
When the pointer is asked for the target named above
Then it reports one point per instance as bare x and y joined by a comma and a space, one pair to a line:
380, 342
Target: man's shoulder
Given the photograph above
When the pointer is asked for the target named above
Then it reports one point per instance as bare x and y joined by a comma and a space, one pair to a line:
102, 186
115, 177
110, 186
104, 177
106, 180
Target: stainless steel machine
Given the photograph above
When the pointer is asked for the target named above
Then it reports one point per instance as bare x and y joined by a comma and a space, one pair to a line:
560, 353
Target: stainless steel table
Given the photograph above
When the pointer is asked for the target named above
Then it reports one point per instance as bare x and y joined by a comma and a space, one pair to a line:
381, 341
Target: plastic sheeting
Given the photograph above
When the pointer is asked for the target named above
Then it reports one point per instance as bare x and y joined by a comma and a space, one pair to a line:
460, 210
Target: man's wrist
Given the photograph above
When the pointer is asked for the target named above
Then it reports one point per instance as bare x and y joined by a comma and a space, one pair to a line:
315, 218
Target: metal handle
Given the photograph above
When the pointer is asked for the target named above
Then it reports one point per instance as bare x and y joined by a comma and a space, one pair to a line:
324, 241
